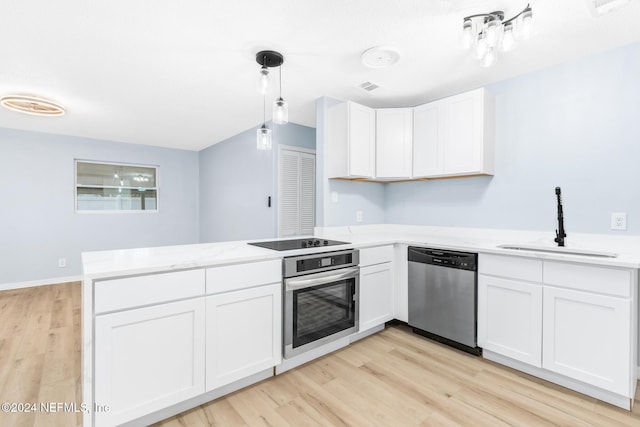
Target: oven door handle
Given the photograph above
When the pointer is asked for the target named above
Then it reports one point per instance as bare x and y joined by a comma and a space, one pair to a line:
321, 278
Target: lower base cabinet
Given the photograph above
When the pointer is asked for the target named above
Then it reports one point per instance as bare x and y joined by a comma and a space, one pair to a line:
148, 358
586, 337
244, 330
510, 318
376, 295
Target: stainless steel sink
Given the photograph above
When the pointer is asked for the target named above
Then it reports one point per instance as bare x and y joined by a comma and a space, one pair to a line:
559, 250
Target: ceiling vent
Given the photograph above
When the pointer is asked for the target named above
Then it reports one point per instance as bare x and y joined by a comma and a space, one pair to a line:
600, 7
368, 86
32, 105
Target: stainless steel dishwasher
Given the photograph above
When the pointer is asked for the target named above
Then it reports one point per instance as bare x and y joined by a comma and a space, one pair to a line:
443, 289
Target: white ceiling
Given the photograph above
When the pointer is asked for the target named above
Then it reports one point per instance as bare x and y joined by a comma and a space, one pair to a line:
183, 74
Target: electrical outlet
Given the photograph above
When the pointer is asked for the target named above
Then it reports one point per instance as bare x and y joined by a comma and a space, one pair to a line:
334, 197
358, 216
62, 262
619, 221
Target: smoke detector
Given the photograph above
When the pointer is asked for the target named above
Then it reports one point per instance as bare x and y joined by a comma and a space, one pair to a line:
380, 57
32, 105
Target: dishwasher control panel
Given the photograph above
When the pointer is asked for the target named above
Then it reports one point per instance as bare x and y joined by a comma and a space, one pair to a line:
453, 259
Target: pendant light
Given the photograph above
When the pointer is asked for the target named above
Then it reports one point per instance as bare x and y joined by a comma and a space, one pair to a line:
280, 107
263, 141
269, 59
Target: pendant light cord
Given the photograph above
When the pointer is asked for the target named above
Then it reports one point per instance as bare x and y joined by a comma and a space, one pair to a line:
280, 74
264, 110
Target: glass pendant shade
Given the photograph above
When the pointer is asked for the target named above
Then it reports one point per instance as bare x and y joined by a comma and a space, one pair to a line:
489, 58
467, 34
280, 111
482, 46
527, 23
508, 38
263, 80
491, 31
264, 138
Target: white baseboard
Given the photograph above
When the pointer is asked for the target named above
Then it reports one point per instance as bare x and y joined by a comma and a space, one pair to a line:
42, 282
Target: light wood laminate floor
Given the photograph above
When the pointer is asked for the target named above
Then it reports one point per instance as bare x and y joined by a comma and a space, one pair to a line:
394, 378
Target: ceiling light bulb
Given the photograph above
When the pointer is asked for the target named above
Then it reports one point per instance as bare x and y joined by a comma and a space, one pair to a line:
263, 80
508, 38
467, 33
491, 31
527, 23
482, 45
264, 138
489, 58
280, 111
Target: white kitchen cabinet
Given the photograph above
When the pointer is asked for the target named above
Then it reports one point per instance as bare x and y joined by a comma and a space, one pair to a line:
148, 358
351, 141
428, 139
455, 136
394, 142
587, 337
510, 318
376, 295
244, 333
570, 323
376, 286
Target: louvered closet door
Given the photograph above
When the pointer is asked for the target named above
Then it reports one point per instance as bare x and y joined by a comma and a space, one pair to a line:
296, 201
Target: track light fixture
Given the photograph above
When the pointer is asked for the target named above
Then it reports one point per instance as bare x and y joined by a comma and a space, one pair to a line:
490, 32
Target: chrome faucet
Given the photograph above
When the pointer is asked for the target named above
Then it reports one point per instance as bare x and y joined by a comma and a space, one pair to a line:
560, 234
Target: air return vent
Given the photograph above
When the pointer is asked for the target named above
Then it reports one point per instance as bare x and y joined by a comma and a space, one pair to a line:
368, 86
600, 7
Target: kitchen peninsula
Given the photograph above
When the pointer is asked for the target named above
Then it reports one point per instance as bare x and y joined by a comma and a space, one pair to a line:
206, 309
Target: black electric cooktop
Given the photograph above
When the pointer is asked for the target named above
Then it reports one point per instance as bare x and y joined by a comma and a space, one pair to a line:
288, 245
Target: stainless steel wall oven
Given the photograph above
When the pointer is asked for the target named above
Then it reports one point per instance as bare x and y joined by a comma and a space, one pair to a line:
320, 299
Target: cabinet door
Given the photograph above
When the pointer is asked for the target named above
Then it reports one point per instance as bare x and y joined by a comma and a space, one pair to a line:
376, 295
587, 337
464, 129
394, 136
148, 359
362, 140
244, 333
510, 318
428, 140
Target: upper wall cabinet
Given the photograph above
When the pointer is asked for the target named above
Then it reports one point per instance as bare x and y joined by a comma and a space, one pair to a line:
446, 138
454, 136
352, 139
394, 142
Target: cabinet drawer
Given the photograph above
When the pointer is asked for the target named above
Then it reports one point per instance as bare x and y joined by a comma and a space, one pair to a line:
377, 255
118, 294
241, 276
511, 267
610, 281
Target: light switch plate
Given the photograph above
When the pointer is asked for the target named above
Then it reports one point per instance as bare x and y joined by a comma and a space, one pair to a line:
358, 216
619, 221
334, 197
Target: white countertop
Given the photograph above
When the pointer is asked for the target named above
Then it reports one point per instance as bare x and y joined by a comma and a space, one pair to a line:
125, 262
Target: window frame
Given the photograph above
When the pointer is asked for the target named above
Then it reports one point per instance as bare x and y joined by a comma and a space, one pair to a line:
115, 211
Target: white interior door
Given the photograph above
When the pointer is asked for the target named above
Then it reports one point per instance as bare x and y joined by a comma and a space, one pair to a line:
296, 191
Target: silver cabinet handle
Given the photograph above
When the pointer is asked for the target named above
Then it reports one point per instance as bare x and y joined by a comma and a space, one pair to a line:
320, 279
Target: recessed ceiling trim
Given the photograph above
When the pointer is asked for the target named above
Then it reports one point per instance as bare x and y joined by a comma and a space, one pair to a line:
33, 105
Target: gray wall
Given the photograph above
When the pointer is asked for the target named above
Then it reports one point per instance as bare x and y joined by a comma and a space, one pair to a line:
38, 223
236, 179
